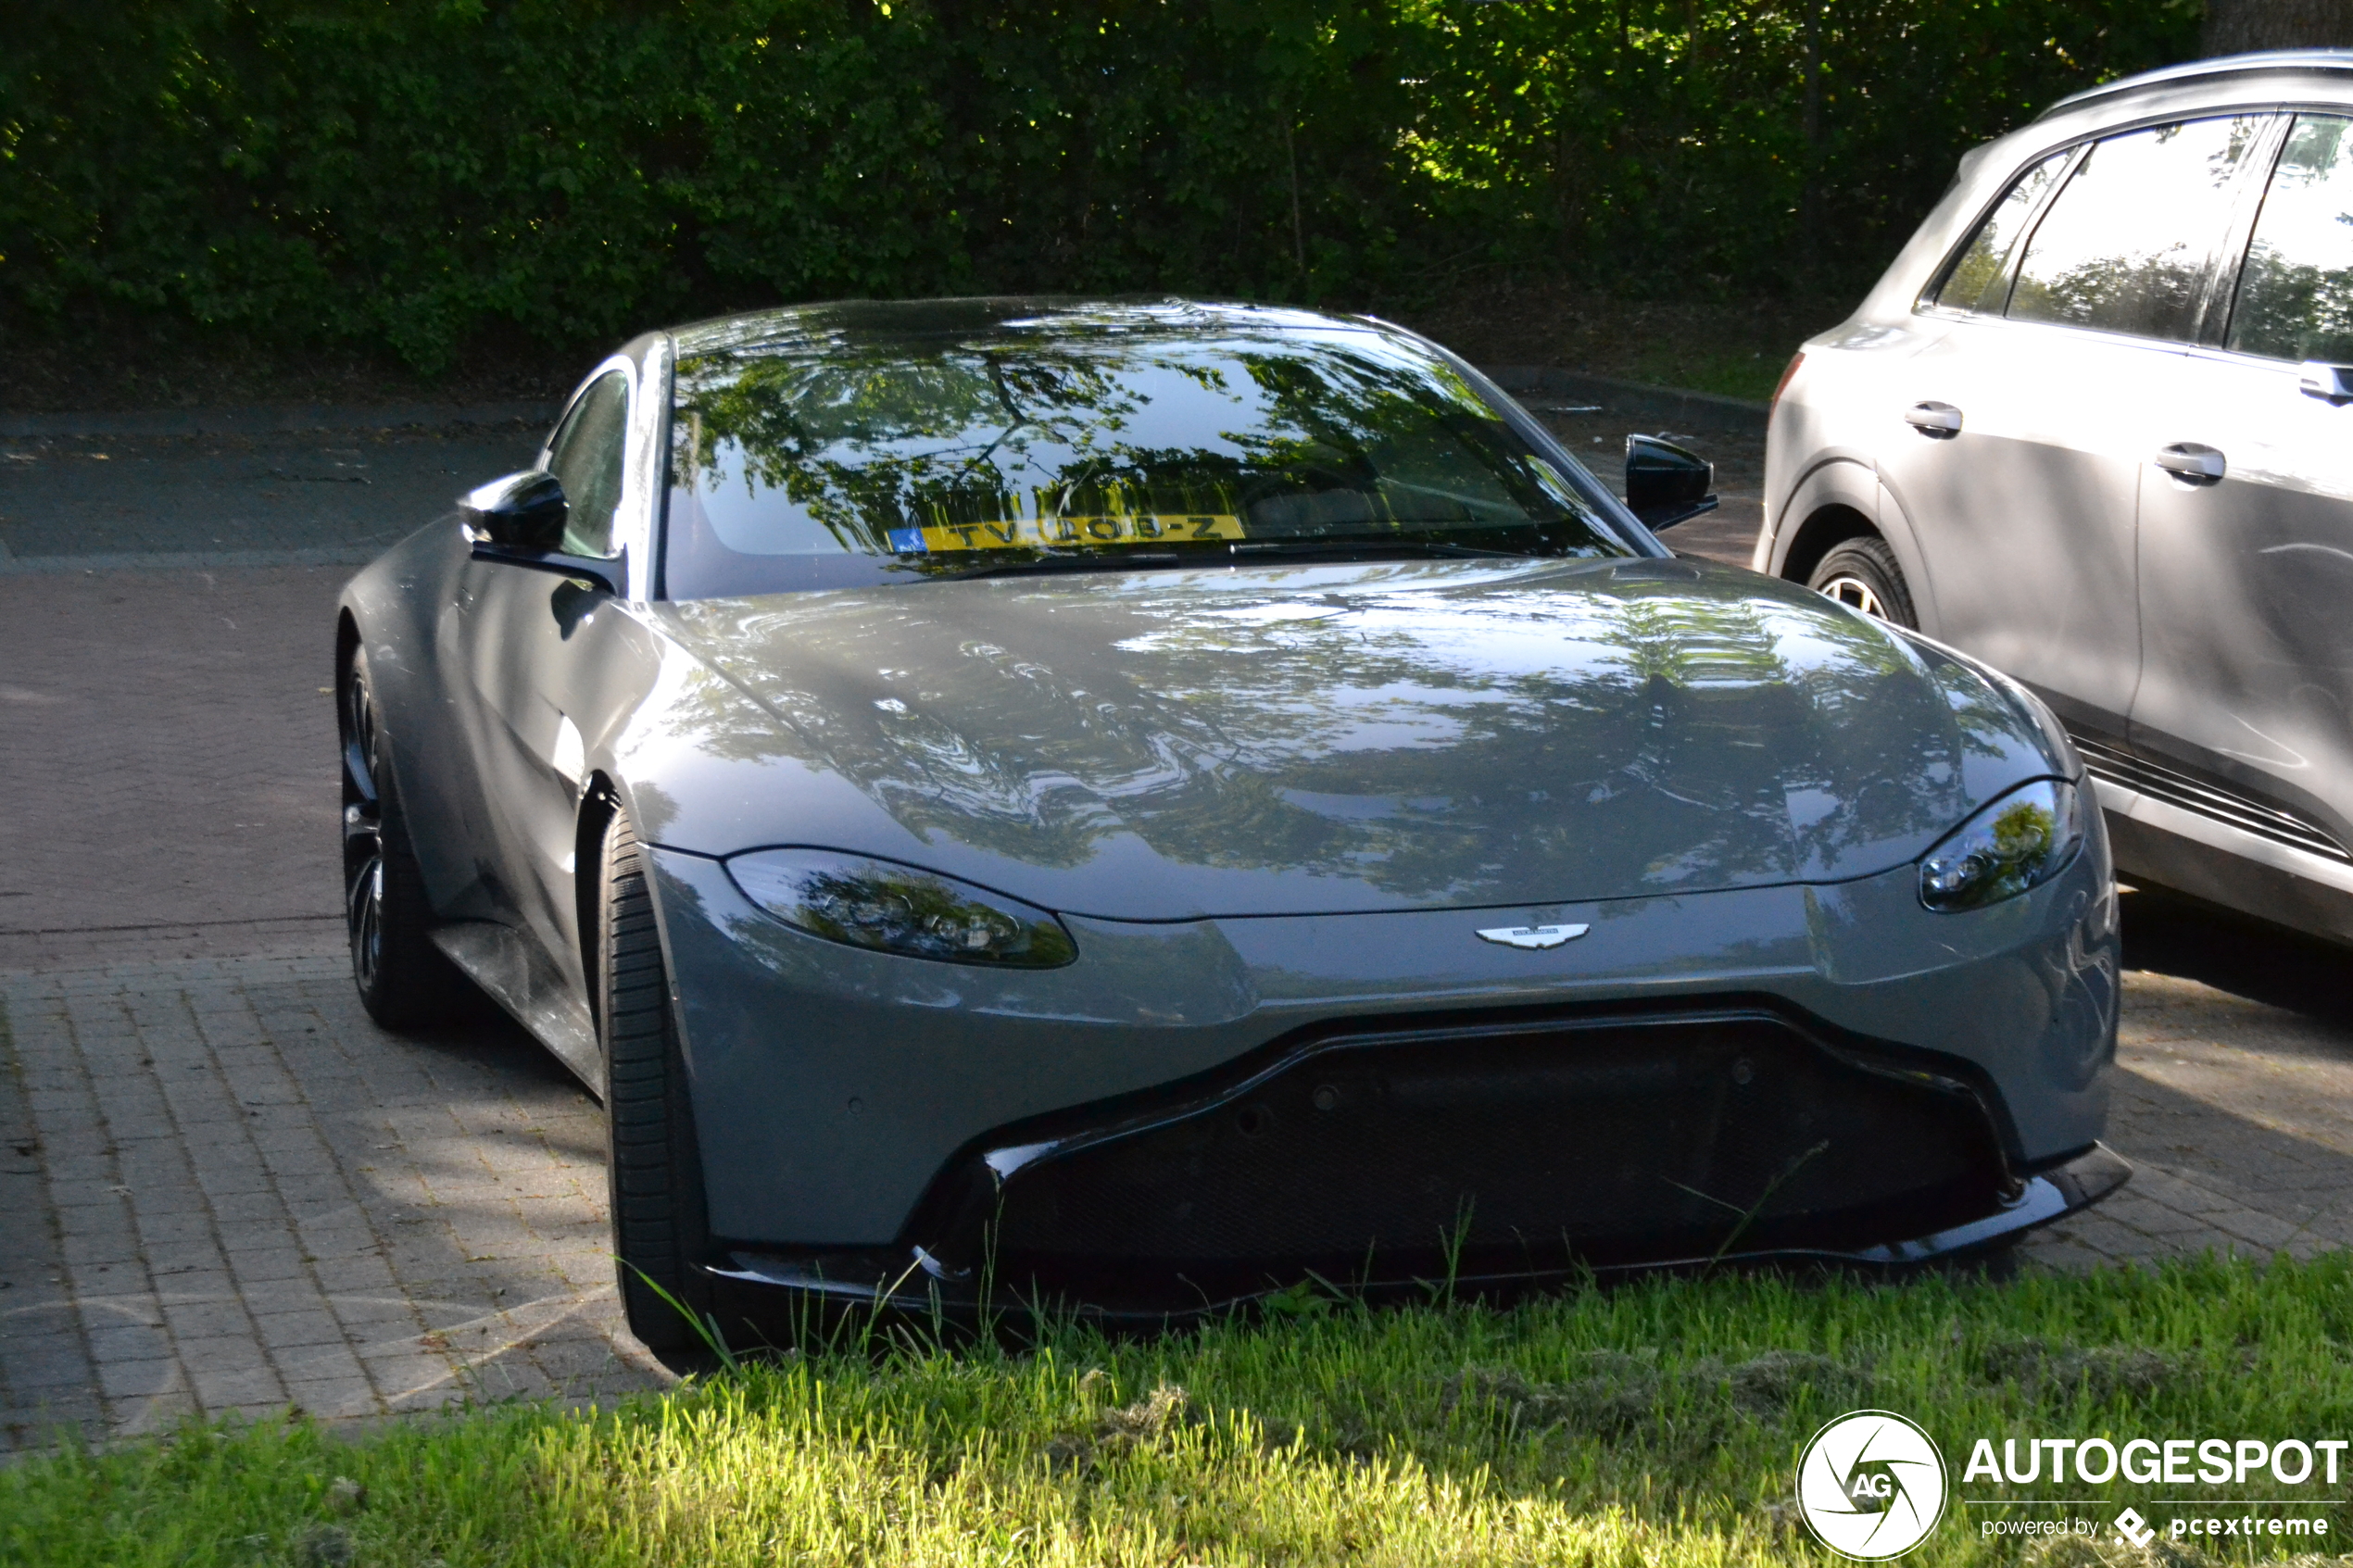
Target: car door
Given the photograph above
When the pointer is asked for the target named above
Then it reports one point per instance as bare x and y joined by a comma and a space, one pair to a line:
522, 630
2247, 568
2030, 417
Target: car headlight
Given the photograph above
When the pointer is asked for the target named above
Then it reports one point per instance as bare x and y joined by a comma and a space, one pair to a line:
896, 909
2020, 841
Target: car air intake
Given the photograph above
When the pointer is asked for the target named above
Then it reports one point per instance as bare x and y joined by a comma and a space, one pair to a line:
1490, 1152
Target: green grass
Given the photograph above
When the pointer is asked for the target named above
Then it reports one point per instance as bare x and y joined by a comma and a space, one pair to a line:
1657, 1422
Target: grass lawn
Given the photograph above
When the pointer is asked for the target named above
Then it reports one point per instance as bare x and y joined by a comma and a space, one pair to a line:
1655, 1422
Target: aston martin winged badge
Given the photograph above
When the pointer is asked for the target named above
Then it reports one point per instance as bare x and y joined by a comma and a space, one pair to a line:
1532, 935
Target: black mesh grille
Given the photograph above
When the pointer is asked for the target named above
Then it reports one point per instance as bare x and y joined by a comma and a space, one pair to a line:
1603, 1143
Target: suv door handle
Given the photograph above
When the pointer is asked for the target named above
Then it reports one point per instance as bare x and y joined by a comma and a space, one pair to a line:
2187, 460
2330, 383
1938, 422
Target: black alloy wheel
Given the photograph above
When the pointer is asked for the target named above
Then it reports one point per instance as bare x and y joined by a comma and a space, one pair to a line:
403, 980
1861, 573
661, 1232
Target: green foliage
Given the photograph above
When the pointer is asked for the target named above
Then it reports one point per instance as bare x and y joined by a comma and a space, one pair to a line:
400, 174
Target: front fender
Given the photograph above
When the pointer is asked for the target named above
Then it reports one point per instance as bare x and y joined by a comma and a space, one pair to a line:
396, 604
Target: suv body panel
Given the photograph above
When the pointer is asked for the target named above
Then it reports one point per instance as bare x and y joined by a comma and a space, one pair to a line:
2194, 631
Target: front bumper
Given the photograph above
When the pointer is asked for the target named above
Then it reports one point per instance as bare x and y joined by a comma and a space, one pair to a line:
766, 1290
838, 1092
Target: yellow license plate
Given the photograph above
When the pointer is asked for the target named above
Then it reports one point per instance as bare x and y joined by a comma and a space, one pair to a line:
1067, 532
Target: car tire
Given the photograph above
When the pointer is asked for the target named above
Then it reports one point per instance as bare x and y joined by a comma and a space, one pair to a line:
403, 980
1861, 573
653, 1163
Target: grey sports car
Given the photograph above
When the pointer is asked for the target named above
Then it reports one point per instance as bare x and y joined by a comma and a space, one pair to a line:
1145, 804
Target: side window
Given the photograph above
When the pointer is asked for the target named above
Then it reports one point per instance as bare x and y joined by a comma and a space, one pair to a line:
2126, 246
1978, 280
2296, 293
587, 460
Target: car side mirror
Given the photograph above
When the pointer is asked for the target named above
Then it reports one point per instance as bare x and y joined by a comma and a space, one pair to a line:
520, 520
1666, 484
522, 511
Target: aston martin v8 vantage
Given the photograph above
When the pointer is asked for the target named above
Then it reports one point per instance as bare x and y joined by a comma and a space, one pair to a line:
1144, 804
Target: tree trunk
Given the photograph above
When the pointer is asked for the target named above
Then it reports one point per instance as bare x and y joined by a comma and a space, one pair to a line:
2235, 27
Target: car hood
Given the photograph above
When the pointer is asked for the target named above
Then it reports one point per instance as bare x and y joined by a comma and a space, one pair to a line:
1310, 739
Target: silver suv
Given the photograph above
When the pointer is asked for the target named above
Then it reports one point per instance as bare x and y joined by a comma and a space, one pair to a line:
2096, 426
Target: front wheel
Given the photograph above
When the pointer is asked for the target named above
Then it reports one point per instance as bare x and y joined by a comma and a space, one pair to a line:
653, 1163
403, 980
1862, 575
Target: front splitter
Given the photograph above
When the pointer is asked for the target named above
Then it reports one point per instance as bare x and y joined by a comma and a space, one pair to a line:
768, 1291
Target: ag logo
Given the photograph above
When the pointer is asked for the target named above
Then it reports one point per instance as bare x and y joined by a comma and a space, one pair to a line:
1872, 1485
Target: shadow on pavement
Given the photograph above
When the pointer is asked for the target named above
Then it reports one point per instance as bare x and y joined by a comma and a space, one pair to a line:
2168, 933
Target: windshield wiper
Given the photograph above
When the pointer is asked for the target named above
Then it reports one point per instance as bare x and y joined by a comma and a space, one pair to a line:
1351, 548
1065, 561
1047, 561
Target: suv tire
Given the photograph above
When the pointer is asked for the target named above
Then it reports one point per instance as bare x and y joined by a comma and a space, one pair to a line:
1861, 573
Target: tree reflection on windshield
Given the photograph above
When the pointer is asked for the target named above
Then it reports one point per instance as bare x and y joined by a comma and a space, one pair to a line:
1088, 435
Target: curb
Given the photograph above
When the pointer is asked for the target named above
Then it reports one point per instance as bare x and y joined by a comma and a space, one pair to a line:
269, 421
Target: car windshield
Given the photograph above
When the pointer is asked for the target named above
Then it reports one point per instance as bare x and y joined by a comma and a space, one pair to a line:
873, 445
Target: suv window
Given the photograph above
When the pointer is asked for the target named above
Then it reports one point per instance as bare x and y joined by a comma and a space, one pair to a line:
2125, 246
1979, 278
586, 459
2296, 293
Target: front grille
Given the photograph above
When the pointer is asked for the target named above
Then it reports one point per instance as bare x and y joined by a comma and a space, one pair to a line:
1604, 1141
2210, 799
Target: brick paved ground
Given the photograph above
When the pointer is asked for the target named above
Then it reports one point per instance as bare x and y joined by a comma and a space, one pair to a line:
255, 1198
2235, 1104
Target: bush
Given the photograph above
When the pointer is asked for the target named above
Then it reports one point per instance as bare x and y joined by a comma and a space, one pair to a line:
399, 174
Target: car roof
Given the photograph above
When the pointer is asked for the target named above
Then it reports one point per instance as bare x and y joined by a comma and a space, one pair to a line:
2283, 62
840, 323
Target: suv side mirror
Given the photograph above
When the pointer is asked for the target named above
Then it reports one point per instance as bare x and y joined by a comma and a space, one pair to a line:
520, 520
1666, 484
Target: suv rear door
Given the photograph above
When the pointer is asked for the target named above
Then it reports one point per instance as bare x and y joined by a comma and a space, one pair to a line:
2247, 579
2034, 413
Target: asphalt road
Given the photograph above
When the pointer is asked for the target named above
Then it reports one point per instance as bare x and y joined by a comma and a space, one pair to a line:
229, 494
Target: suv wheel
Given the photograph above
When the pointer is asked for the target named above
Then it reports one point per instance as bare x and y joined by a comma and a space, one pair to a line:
1862, 575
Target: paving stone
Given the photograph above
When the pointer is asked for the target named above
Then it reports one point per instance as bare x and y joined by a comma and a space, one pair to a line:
314, 1363
128, 1342
271, 1270
225, 1349
333, 1398
252, 1390
122, 1381
44, 1362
